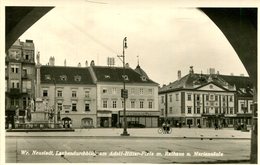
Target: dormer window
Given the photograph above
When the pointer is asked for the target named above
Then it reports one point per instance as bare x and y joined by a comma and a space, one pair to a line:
77, 78
143, 78
243, 90
107, 76
63, 78
125, 77
47, 77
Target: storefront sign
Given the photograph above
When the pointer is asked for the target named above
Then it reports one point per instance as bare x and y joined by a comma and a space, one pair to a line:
140, 113
103, 114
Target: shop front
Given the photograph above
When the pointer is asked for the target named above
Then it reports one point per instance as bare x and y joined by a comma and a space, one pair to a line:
104, 119
213, 120
140, 119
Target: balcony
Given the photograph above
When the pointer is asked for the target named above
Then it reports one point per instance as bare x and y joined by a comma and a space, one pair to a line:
14, 92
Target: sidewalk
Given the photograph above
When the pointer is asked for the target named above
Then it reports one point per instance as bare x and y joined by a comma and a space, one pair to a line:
198, 133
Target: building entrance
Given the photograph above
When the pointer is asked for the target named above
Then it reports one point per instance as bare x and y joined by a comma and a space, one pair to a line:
114, 120
104, 122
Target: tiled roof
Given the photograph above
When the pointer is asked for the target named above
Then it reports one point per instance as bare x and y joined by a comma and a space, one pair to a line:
65, 75
242, 84
115, 74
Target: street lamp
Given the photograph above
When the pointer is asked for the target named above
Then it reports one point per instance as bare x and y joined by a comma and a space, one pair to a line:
54, 106
244, 108
124, 92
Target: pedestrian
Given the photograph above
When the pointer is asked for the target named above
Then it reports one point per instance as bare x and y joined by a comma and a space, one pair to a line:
216, 126
189, 124
70, 124
164, 126
167, 127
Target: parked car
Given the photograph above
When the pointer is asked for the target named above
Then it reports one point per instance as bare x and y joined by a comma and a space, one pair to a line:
135, 125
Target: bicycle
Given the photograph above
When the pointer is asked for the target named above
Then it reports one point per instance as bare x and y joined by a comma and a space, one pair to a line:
162, 131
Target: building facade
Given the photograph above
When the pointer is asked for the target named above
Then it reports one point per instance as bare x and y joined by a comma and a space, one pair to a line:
71, 91
141, 104
207, 100
19, 82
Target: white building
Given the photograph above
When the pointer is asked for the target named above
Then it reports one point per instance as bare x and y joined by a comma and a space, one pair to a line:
142, 101
206, 100
73, 93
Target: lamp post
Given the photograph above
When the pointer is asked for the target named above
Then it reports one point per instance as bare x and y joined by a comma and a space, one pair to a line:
244, 118
124, 91
54, 106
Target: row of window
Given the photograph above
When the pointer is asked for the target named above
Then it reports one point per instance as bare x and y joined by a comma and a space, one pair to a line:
63, 77
132, 91
198, 97
207, 110
132, 104
60, 93
73, 107
16, 54
16, 84
15, 68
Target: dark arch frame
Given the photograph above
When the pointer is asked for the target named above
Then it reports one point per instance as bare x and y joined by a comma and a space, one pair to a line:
239, 25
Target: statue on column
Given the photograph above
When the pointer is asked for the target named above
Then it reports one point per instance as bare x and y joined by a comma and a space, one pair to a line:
38, 58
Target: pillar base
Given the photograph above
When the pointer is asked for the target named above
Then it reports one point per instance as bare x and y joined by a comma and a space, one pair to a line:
125, 133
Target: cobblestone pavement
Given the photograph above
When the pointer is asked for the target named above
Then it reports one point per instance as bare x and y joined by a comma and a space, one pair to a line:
146, 132
230, 146
124, 150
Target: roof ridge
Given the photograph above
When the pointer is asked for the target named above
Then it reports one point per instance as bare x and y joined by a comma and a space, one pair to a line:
49, 66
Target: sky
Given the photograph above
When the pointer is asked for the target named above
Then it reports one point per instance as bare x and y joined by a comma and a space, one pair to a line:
164, 38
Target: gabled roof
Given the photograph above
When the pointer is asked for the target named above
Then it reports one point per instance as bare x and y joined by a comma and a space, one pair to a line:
211, 82
241, 84
139, 70
115, 74
65, 75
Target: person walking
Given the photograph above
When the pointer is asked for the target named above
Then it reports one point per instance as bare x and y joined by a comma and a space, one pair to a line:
216, 126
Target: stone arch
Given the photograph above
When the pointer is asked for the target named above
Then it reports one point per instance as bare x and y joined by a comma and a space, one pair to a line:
87, 122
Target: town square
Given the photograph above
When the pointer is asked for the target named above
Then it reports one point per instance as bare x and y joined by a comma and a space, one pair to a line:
117, 82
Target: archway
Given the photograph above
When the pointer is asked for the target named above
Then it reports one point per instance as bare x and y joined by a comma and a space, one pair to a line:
86, 123
245, 44
66, 122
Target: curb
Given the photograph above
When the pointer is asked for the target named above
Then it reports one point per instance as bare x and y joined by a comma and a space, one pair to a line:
41, 130
131, 137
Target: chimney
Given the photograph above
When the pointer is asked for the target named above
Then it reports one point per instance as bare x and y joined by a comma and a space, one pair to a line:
86, 63
211, 70
65, 63
191, 70
242, 75
217, 72
179, 74
52, 61
127, 65
232, 74
79, 64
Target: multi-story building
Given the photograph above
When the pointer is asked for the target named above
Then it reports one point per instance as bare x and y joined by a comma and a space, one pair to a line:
206, 100
71, 91
142, 101
19, 81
